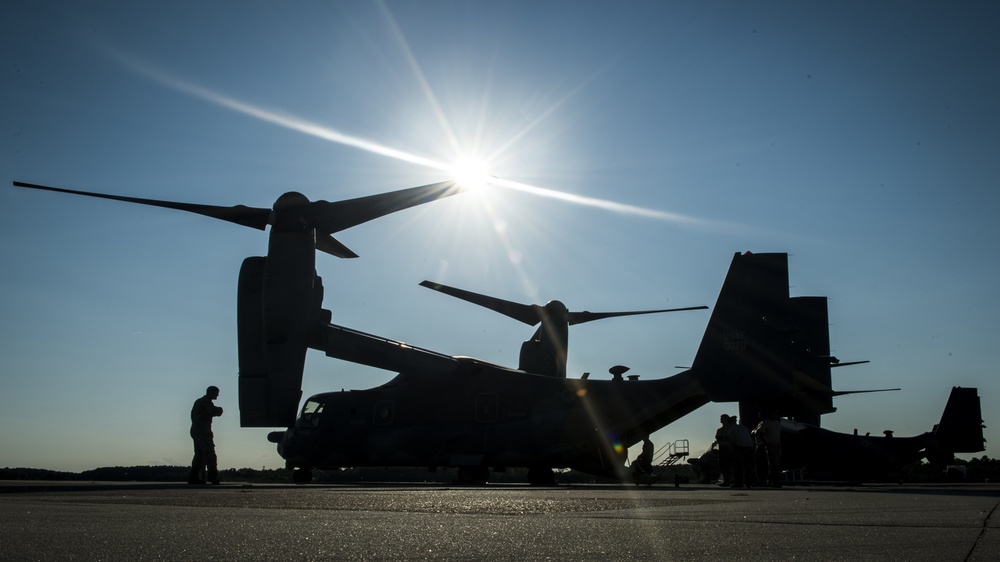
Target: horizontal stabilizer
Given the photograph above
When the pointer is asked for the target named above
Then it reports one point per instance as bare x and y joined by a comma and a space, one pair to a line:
849, 363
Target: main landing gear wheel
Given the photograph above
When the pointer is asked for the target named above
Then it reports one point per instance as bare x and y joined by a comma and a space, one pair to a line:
541, 477
302, 476
473, 475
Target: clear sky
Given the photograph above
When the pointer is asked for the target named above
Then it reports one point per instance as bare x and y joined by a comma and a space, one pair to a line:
859, 137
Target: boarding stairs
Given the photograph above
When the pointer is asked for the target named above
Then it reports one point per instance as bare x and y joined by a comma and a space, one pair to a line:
671, 453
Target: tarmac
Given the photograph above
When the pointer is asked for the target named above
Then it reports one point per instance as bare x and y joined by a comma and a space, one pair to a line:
234, 521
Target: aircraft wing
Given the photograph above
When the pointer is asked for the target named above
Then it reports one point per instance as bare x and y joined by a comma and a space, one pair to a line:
375, 351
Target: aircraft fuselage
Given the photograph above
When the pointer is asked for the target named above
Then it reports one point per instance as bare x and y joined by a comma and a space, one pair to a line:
486, 415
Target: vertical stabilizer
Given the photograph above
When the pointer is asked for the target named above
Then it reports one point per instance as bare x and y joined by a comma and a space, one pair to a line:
764, 349
961, 426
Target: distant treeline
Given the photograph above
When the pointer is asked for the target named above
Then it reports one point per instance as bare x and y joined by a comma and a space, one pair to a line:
980, 469
976, 470
349, 475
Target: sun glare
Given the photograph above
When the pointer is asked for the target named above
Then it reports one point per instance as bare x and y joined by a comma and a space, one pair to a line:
471, 173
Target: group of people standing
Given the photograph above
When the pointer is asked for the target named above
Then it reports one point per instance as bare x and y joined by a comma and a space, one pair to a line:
749, 457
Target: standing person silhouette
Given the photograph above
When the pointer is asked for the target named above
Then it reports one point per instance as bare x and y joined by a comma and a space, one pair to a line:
724, 441
204, 441
770, 431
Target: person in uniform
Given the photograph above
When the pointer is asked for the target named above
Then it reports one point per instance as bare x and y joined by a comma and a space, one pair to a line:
742, 441
644, 462
204, 442
725, 443
769, 431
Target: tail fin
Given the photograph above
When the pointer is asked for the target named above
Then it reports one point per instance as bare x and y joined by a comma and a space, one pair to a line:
764, 349
961, 427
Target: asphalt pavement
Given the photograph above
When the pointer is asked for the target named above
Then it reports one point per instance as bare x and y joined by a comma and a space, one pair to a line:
234, 521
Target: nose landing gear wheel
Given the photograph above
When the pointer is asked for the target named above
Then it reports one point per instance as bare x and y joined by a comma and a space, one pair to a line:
302, 476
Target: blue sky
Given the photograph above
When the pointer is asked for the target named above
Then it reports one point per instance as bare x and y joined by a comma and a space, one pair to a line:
860, 137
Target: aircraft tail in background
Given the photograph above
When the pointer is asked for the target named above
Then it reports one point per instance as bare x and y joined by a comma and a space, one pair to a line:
961, 427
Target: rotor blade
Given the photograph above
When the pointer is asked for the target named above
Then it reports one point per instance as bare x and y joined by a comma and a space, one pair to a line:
240, 214
525, 313
329, 217
846, 392
581, 317
332, 246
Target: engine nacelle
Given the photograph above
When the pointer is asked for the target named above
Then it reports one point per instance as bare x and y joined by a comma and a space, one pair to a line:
278, 306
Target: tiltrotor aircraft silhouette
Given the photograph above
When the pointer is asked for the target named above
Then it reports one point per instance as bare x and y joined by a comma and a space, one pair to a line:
812, 454
760, 348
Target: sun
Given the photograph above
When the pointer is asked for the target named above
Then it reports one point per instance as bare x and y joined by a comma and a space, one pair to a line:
472, 173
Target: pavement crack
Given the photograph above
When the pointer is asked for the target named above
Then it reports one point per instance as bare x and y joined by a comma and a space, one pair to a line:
982, 532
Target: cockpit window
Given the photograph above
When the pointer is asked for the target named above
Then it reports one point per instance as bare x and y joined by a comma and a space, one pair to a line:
311, 413
312, 407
